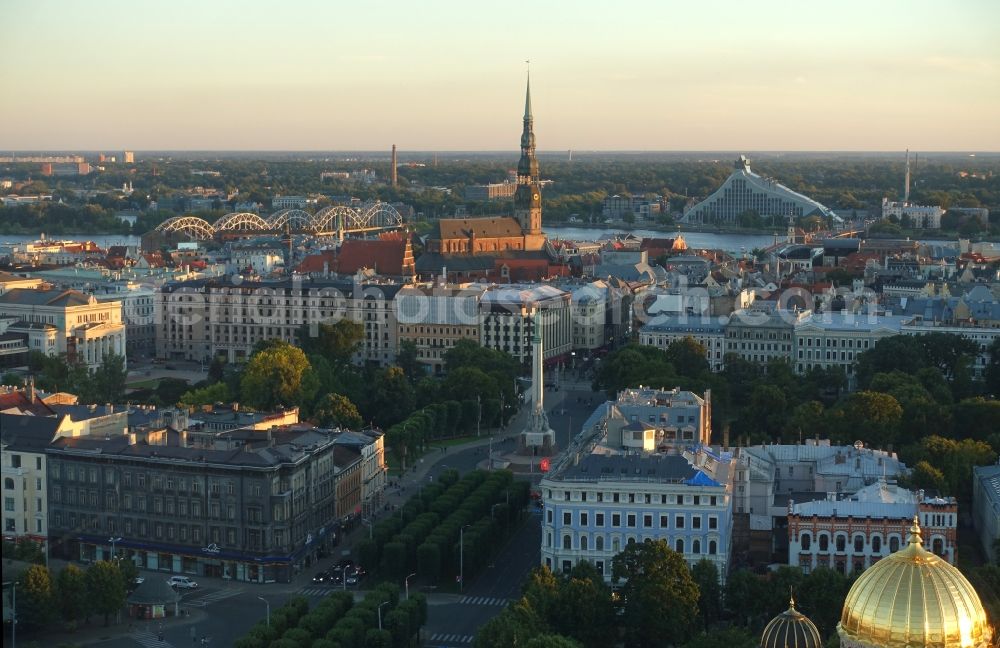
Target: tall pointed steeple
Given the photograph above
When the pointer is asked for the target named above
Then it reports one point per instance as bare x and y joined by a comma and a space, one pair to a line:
527, 166
528, 198
527, 101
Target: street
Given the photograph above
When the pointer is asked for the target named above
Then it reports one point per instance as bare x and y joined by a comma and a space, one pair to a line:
223, 611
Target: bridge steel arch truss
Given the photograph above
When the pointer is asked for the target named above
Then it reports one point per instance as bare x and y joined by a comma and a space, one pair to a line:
296, 219
193, 227
241, 222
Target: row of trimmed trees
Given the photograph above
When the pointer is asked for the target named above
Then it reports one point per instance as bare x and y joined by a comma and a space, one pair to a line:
424, 537
380, 620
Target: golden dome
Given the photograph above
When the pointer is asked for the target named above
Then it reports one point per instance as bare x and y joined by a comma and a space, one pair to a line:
913, 599
791, 629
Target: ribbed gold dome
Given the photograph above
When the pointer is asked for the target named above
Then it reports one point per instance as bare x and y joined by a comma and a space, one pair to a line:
913, 599
791, 629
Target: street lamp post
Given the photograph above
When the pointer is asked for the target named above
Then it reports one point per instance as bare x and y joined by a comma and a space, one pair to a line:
267, 621
406, 585
461, 558
114, 540
380, 613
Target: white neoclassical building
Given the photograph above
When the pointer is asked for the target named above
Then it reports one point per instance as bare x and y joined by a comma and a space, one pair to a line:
66, 321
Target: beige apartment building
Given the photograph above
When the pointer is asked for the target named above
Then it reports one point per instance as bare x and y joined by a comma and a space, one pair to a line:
201, 319
435, 317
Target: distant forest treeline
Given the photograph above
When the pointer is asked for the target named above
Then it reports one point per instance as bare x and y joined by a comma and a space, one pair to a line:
578, 188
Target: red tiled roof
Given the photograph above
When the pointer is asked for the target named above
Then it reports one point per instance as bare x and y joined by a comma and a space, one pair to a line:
314, 262
386, 257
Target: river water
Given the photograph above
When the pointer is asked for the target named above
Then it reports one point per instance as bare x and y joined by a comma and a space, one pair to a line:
697, 240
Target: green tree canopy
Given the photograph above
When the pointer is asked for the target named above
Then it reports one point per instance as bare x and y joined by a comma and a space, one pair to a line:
337, 410
273, 376
661, 598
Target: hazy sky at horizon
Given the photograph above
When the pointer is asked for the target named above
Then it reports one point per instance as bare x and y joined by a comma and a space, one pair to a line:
449, 75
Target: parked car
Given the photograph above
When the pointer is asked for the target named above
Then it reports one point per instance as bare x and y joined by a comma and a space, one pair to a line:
352, 578
182, 582
138, 580
322, 577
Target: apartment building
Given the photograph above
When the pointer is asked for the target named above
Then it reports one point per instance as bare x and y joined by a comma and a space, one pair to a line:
596, 507
254, 513
761, 336
204, 318
836, 339
657, 420
511, 313
434, 317
709, 332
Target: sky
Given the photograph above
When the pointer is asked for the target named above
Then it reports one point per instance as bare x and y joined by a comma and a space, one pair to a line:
326, 75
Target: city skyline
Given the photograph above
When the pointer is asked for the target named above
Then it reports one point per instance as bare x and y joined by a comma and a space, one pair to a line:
444, 76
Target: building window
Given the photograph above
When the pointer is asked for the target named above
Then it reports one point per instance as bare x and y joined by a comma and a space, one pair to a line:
8, 483
616, 519
679, 522
567, 518
631, 519
583, 543
824, 542
859, 543
696, 546
679, 545
567, 542
599, 543
713, 522
713, 547
877, 544
696, 522
583, 518
805, 541
841, 543
893, 544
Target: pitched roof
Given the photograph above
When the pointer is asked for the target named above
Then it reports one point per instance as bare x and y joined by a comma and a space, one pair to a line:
35, 297
316, 262
461, 228
28, 433
385, 256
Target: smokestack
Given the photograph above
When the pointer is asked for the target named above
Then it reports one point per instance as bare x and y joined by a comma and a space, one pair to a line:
394, 178
906, 182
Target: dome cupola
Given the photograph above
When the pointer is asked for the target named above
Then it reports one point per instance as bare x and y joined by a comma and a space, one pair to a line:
791, 629
913, 599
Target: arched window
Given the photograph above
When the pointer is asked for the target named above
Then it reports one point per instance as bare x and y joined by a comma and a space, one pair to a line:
615, 545
696, 546
599, 543
859, 543
8, 483
824, 542
877, 544
713, 547
567, 542
938, 546
893, 544
806, 541
630, 541
679, 545
583, 542
841, 543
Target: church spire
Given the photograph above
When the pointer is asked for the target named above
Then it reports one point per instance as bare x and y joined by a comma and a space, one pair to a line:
527, 100
527, 166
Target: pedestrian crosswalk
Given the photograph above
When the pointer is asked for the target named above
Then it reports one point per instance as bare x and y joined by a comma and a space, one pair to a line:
445, 639
150, 640
214, 597
315, 591
483, 600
